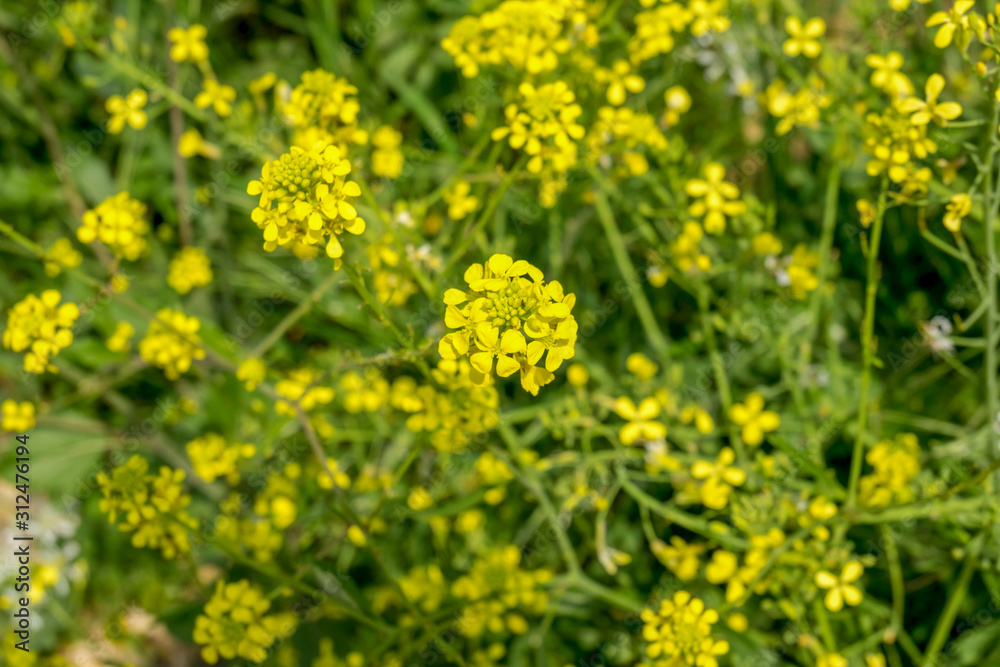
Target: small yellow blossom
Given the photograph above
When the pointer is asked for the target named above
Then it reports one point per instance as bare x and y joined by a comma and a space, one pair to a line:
43, 327
118, 222
61, 255
803, 38
188, 44
957, 208
841, 589
190, 268
930, 110
172, 342
128, 109
754, 419
680, 633
716, 198
235, 624
460, 202
18, 417
718, 479
119, 341
950, 21
387, 158
217, 96
641, 421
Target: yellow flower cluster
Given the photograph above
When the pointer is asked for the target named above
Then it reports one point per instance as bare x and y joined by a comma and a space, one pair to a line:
616, 136
189, 269
715, 198
300, 386
896, 463
119, 223
718, 479
685, 250
61, 255
453, 410
213, 456
507, 301
800, 108
543, 123
324, 108
393, 285
18, 417
529, 35
41, 326
172, 342
152, 507
496, 589
305, 197
680, 633
236, 624
119, 340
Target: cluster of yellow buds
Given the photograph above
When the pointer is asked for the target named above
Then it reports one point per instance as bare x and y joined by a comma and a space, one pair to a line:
305, 198
510, 316
213, 456
324, 108
896, 463
119, 223
42, 327
152, 507
236, 624
172, 342
680, 633
496, 589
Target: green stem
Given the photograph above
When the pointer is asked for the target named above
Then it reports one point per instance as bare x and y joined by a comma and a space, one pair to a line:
867, 344
630, 275
291, 318
943, 628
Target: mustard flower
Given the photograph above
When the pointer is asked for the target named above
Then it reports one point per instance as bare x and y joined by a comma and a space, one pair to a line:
191, 143
709, 15
300, 385
680, 632
235, 624
151, 507
172, 343
896, 463
678, 102
957, 208
512, 315
685, 250
641, 366
717, 198
655, 29
803, 38
754, 419
43, 327
217, 96
190, 268
119, 340
887, 76
718, 479
641, 421
188, 44
119, 223
926, 111
305, 197
128, 109
544, 125
212, 456
841, 589
801, 278
340, 478
831, 660
950, 21
681, 558
460, 202
620, 81
323, 108
17, 417
387, 158
61, 255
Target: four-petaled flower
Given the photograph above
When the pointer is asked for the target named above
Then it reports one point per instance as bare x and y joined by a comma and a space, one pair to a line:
841, 589
926, 111
128, 109
803, 37
641, 421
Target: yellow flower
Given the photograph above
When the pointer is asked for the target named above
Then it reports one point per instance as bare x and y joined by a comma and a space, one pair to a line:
190, 268
61, 255
719, 479
841, 589
43, 327
887, 76
955, 211
217, 96
831, 660
323, 108
119, 339
305, 197
765, 243
709, 15
544, 125
641, 424
127, 109
577, 375
722, 567
17, 417
192, 143
188, 44
754, 419
717, 198
678, 102
172, 342
460, 202
926, 111
151, 507
387, 159
512, 314
950, 21
681, 558
357, 536
803, 38
640, 366
340, 478
236, 624
620, 81
251, 372
680, 633
119, 223
212, 456
801, 278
